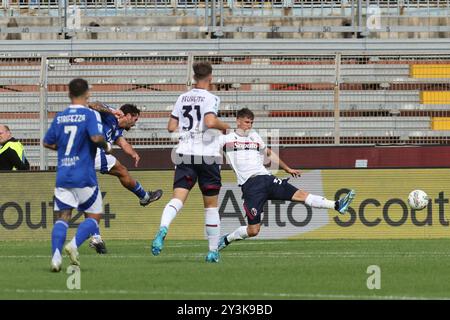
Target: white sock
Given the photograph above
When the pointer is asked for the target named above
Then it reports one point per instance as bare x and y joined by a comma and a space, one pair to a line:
170, 211
73, 242
319, 202
97, 237
57, 256
212, 225
238, 234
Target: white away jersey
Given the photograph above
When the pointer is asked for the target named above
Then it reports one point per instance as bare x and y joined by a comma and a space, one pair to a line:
190, 111
245, 154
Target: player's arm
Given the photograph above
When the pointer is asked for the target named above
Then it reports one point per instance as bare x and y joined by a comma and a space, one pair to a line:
210, 116
276, 159
95, 131
100, 107
100, 142
50, 146
49, 140
172, 125
128, 149
212, 122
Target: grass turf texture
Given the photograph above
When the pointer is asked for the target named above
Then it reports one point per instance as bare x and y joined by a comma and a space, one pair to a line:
262, 269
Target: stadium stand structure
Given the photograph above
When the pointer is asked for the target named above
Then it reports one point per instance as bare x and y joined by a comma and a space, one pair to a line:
299, 99
200, 19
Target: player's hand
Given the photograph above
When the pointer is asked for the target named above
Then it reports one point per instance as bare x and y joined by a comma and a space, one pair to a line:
136, 159
294, 173
108, 148
117, 113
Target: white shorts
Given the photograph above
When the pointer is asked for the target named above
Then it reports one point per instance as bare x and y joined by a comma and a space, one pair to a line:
104, 162
88, 199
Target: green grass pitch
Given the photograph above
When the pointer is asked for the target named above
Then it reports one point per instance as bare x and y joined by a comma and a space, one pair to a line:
255, 269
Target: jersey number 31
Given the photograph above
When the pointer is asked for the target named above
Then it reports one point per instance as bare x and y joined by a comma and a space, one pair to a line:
187, 115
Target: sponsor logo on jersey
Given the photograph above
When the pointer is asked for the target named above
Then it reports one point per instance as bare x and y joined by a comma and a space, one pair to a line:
238, 145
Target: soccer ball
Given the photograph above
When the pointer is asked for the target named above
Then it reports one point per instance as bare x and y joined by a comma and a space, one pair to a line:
418, 199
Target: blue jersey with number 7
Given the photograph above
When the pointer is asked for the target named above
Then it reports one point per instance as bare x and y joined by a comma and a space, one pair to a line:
71, 131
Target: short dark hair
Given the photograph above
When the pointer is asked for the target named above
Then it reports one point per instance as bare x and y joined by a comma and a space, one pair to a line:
130, 108
245, 113
6, 127
78, 87
202, 69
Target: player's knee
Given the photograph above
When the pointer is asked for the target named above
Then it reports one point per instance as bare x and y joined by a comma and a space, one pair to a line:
120, 167
94, 216
300, 195
253, 230
120, 170
253, 233
64, 215
210, 192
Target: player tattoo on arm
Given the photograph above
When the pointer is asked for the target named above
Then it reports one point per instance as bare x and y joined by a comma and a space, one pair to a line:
100, 107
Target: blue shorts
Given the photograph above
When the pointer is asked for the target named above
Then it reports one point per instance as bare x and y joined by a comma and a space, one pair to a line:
208, 176
257, 190
104, 162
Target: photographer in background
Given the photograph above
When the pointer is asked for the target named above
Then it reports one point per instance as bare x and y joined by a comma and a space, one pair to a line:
12, 155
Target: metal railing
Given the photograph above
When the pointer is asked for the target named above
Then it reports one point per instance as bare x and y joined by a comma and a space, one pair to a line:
311, 99
224, 18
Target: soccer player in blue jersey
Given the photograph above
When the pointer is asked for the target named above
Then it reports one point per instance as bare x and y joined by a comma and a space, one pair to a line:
114, 123
75, 134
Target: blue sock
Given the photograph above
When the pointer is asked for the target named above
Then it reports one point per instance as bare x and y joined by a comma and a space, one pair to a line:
138, 190
59, 234
97, 229
87, 228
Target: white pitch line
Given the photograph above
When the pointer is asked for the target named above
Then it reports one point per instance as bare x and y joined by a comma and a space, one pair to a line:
259, 254
172, 243
234, 294
250, 242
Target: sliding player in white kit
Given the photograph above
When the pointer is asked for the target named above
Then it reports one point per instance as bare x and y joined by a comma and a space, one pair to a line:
198, 157
245, 151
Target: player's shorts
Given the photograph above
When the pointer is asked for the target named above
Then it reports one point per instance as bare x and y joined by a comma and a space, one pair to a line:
87, 199
190, 170
257, 190
104, 162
